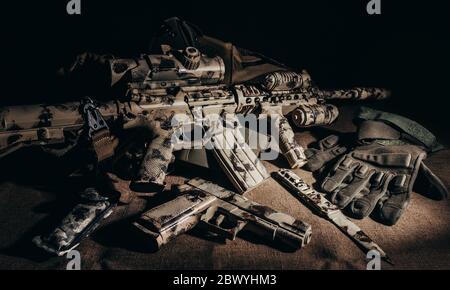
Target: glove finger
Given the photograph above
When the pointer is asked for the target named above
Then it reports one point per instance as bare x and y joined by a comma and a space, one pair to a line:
361, 178
311, 152
392, 208
341, 171
363, 206
328, 142
318, 159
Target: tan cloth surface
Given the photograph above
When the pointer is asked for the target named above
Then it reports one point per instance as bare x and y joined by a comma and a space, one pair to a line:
420, 240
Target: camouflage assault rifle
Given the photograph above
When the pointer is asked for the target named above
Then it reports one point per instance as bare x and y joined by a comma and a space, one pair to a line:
224, 213
186, 83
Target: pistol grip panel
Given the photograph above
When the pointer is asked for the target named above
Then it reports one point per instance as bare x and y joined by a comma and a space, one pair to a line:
153, 170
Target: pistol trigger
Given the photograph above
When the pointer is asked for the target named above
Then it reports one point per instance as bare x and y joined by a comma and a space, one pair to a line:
219, 225
215, 229
219, 220
239, 226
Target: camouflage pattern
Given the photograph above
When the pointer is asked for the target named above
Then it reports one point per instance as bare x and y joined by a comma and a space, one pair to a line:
292, 151
286, 81
255, 99
154, 166
78, 224
216, 208
43, 125
236, 158
314, 115
169, 70
318, 202
357, 94
178, 82
252, 99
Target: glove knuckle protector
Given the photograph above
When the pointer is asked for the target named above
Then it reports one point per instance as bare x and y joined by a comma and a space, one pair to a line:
378, 175
328, 149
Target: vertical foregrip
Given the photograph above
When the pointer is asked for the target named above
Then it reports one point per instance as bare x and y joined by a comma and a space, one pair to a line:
153, 170
292, 151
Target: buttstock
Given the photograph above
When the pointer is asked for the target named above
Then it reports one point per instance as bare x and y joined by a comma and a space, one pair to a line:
11, 141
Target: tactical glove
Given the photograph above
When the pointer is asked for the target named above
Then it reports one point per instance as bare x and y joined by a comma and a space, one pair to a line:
328, 149
378, 174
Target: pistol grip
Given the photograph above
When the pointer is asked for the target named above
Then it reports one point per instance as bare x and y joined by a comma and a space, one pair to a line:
153, 170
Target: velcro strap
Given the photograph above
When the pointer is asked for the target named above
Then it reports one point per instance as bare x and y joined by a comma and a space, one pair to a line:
377, 130
410, 127
103, 144
383, 159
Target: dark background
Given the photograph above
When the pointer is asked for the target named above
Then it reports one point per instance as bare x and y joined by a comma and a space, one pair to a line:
403, 49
